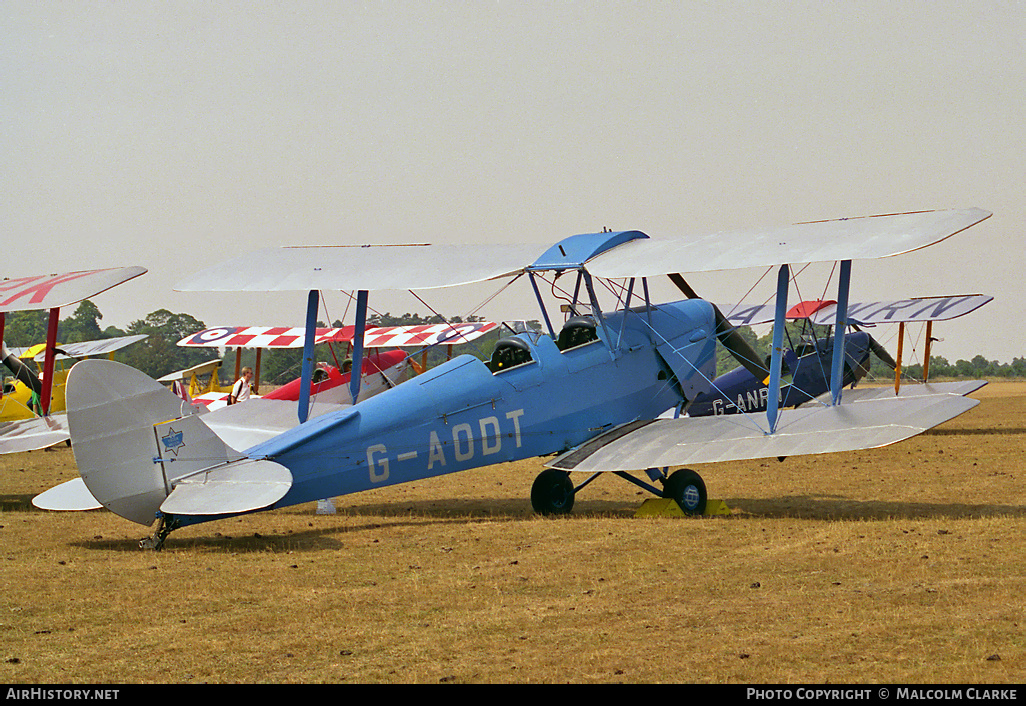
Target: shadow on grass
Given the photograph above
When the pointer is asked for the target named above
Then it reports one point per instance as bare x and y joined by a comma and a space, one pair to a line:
976, 431
17, 503
385, 517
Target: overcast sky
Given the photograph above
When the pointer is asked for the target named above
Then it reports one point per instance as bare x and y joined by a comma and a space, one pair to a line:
174, 134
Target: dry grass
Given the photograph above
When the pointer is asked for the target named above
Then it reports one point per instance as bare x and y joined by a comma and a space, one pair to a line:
898, 565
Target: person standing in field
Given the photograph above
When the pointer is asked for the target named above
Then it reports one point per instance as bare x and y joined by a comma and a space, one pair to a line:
240, 390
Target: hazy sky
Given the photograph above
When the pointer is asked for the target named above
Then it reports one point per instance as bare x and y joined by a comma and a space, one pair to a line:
172, 134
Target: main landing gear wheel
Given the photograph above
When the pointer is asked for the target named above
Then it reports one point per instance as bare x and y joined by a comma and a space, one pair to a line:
552, 493
688, 489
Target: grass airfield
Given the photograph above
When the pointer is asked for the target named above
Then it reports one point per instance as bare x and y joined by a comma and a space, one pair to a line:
905, 564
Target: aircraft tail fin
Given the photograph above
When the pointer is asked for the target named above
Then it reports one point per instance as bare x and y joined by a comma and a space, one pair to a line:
133, 439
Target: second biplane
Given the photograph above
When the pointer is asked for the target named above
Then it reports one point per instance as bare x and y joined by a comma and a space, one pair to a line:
805, 365
381, 370
27, 409
589, 394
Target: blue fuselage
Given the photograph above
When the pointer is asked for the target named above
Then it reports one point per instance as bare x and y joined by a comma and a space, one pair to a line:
461, 415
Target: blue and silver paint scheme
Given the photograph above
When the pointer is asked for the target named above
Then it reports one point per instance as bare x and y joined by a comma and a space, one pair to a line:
462, 414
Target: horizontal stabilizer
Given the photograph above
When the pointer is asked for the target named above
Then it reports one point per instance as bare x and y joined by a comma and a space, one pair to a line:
71, 496
231, 488
813, 429
130, 440
33, 434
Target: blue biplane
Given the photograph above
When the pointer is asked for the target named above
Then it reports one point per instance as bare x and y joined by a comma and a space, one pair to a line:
805, 366
588, 394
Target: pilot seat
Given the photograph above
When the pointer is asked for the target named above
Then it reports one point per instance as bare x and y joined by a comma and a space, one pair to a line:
509, 353
577, 331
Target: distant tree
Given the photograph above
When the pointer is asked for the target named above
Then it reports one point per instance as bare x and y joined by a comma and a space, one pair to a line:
25, 328
725, 361
83, 325
1018, 367
159, 354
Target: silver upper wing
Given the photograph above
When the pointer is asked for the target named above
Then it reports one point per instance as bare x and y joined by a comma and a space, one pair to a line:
366, 267
427, 266
823, 241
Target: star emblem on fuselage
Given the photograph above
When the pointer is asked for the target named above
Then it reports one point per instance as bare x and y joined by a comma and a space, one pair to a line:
173, 441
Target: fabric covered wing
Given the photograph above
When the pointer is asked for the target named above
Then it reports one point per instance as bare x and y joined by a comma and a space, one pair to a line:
861, 422
93, 348
367, 267
263, 337
33, 434
823, 241
918, 309
59, 290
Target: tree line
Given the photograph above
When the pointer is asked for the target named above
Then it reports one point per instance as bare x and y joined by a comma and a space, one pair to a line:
160, 353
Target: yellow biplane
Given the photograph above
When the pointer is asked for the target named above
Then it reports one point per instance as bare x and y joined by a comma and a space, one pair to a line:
22, 391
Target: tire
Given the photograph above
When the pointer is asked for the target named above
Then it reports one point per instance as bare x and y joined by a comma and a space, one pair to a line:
688, 489
552, 493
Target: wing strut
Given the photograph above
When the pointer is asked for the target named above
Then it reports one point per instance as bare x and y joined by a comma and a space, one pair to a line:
541, 304
51, 354
897, 367
361, 324
776, 355
308, 354
840, 326
926, 352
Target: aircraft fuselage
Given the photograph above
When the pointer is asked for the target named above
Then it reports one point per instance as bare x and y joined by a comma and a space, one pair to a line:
461, 415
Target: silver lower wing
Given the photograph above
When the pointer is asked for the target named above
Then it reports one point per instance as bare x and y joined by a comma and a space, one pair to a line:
33, 434
867, 418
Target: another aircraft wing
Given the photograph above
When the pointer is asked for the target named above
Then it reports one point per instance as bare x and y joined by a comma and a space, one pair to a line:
867, 418
33, 434
918, 309
91, 348
824, 313
425, 335
376, 337
60, 290
201, 369
263, 337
